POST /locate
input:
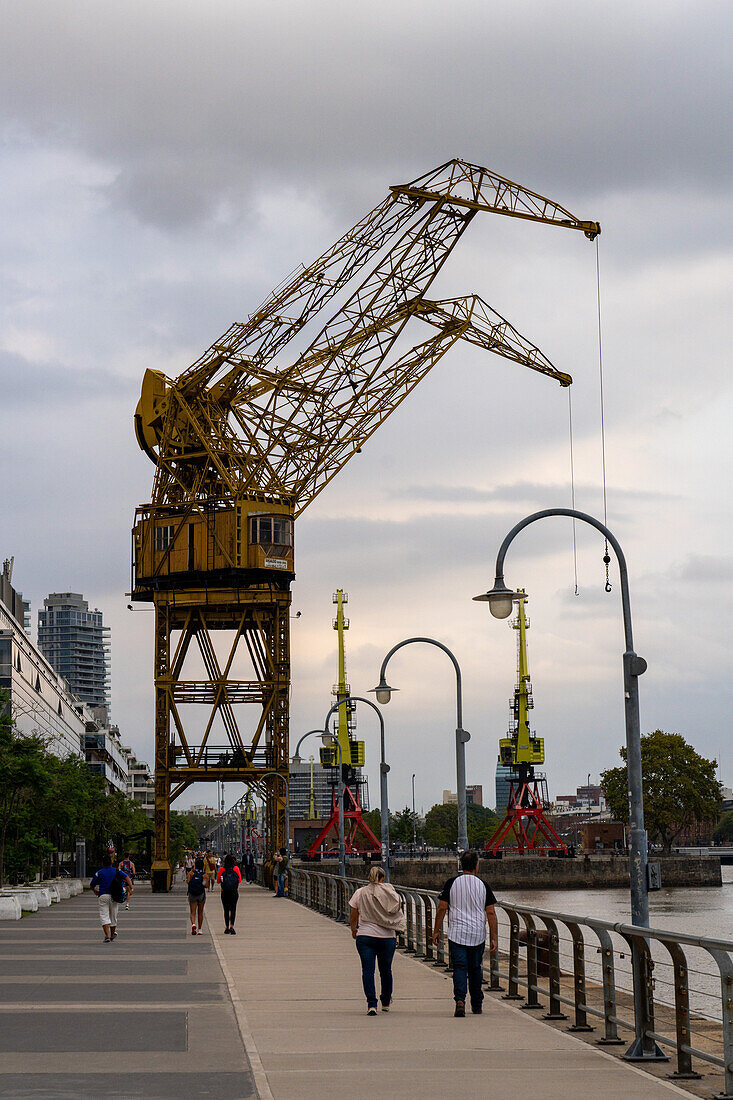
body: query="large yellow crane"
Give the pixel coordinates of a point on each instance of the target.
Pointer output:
(245, 438)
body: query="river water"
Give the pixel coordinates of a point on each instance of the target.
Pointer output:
(700, 911)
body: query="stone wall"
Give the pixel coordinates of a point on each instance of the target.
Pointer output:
(538, 873)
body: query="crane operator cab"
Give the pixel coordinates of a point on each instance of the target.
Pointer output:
(235, 544)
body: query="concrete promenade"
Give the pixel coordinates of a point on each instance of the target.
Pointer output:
(296, 983)
(276, 1012)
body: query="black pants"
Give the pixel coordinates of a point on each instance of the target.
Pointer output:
(229, 899)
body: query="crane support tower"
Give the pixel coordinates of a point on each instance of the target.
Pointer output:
(358, 837)
(245, 438)
(521, 750)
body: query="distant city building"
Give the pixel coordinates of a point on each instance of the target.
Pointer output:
(19, 608)
(104, 753)
(40, 700)
(474, 796)
(300, 791)
(203, 811)
(140, 783)
(501, 786)
(727, 800)
(76, 642)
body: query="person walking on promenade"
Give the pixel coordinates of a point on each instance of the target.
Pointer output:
(128, 868)
(209, 869)
(469, 903)
(196, 896)
(376, 917)
(109, 885)
(282, 866)
(229, 878)
(248, 862)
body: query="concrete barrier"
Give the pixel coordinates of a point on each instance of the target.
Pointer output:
(28, 900)
(9, 907)
(42, 895)
(77, 886)
(53, 891)
(63, 885)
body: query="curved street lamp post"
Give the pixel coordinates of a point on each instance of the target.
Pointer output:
(383, 797)
(500, 600)
(383, 692)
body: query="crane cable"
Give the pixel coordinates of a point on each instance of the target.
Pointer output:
(606, 555)
(572, 492)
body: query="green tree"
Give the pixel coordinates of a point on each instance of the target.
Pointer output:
(182, 835)
(441, 825)
(680, 788)
(723, 833)
(23, 773)
(402, 824)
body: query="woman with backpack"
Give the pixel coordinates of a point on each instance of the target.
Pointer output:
(229, 878)
(196, 895)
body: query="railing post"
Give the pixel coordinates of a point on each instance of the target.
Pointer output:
(512, 993)
(644, 1047)
(533, 1000)
(429, 925)
(553, 951)
(684, 1069)
(581, 1017)
(725, 966)
(611, 1036)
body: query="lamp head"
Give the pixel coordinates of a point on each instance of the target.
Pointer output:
(383, 691)
(500, 599)
(327, 738)
(297, 761)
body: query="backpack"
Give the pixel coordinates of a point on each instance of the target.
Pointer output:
(229, 881)
(196, 886)
(117, 888)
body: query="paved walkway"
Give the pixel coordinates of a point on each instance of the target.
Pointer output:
(276, 1012)
(146, 1016)
(296, 984)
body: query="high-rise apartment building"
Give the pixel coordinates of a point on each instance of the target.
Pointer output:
(504, 773)
(76, 642)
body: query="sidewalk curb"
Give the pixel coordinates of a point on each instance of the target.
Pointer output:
(258, 1071)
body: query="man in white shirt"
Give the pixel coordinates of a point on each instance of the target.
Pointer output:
(469, 903)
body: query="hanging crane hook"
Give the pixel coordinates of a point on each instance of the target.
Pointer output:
(607, 562)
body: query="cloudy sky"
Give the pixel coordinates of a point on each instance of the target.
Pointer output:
(165, 165)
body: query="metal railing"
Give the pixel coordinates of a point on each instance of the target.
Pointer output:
(589, 967)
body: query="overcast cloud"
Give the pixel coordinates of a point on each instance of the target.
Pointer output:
(165, 165)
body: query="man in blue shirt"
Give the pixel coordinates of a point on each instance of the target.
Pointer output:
(101, 884)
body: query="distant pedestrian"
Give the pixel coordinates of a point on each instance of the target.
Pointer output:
(376, 917)
(469, 903)
(209, 869)
(248, 862)
(109, 885)
(196, 896)
(128, 868)
(188, 863)
(229, 878)
(282, 866)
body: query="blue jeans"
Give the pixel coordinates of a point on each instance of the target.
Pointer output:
(467, 971)
(374, 949)
(281, 886)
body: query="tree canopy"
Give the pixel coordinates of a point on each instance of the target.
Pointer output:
(441, 825)
(46, 801)
(680, 788)
(723, 833)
